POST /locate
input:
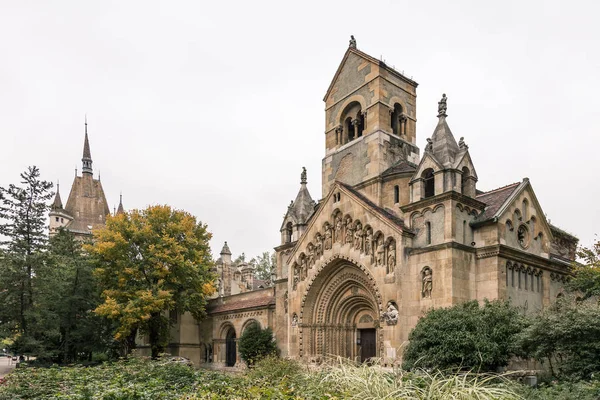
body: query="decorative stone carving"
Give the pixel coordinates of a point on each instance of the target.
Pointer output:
(295, 319)
(311, 255)
(338, 229)
(380, 252)
(462, 145)
(349, 231)
(296, 269)
(427, 283)
(319, 245)
(391, 258)
(391, 315)
(429, 146)
(523, 236)
(303, 267)
(366, 318)
(285, 302)
(369, 242)
(352, 42)
(442, 106)
(358, 237)
(328, 238)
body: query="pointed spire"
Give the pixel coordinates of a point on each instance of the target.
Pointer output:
(303, 206)
(57, 204)
(442, 143)
(225, 249)
(87, 155)
(120, 210)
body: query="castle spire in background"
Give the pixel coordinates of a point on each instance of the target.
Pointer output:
(120, 210)
(87, 155)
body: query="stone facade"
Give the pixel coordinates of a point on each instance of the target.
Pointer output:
(395, 234)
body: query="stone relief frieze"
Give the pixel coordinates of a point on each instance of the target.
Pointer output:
(346, 232)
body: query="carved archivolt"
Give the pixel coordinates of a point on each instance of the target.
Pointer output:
(346, 231)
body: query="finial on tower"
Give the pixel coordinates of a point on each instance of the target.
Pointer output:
(303, 176)
(87, 155)
(442, 106)
(352, 43)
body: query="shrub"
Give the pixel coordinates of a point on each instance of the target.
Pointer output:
(256, 343)
(566, 337)
(465, 336)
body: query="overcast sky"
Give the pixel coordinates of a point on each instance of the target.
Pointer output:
(215, 107)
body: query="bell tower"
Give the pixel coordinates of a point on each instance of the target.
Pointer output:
(370, 120)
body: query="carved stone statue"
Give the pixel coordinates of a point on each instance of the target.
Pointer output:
(369, 242)
(285, 302)
(429, 146)
(391, 259)
(338, 229)
(358, 237)
(462, 145)
(352, 42)
(427, 283)
(442, 106)
(311, 255)
(295, 283)
(380, 252)
(319, 249)
(303, 268)
(328, 239)
(391, 315)
(303, 176)
(349, 232)
(295, 319)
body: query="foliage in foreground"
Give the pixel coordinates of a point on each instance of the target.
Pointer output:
(256, 343)
(271, 378)
(466, 336)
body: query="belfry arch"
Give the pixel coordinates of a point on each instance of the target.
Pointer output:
(341, 306)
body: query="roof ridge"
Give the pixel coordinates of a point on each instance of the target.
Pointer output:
(498, 189)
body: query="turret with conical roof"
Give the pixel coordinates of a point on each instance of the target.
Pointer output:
(120, 210)
(58, 216)
(446, 165)
(298, 212)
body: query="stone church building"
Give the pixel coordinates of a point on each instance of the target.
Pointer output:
(397, 232)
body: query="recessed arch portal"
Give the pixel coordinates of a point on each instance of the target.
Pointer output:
(334, 305)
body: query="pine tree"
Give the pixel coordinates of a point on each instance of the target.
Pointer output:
(23, 213)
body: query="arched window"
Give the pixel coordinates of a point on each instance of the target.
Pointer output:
(428, 183)
(398, 121)
(396, 194)
(525, 210)
(428, 232)
(349, 127)
(360, 120)
(464, 182)
(288, 232)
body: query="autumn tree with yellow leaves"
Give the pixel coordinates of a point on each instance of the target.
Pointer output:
(151, 263)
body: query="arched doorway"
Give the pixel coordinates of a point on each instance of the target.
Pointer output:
(341, 314)
(230, 347)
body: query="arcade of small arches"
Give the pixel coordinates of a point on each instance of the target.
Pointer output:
(225, 346)
(524, 277)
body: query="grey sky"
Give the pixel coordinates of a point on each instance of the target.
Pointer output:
(214, 107)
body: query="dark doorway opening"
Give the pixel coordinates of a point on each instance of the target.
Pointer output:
(368, 344)
(230, 348)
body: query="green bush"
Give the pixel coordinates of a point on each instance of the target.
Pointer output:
(466, 336)
(256, 343)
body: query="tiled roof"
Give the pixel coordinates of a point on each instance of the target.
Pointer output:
(387, 214)
(241, 305)
(259, 283)
(494, 200)
(401, 166)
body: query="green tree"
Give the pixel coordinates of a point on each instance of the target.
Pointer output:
(68, 295)
(586, 276)
(23, 214)
(150, 262)
(264, 265)
(256, 343)
(466, 335)
(566, 336)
